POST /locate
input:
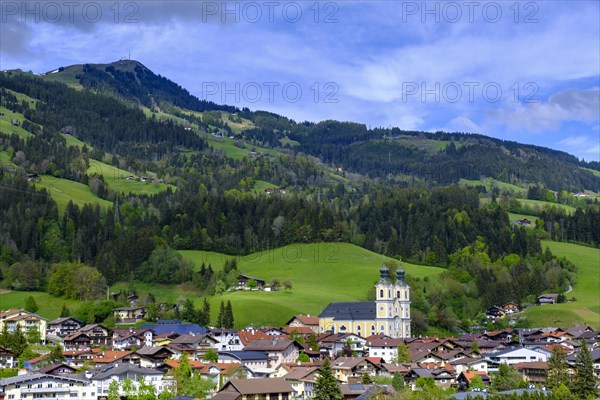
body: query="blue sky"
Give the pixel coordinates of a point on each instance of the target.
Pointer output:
(527, 71)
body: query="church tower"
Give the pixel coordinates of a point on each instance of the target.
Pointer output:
(392, 305)
(402, 305)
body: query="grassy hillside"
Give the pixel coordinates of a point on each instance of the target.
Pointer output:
(63, 190)
(491, 183)
(6, 126)
(320, 274)
(49, 306)
(115, 179)
(537, 206)
(531, 218)
(5, 160)
(586, 310)
(73, 141)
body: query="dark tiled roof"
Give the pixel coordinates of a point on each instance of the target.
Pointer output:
(244, 355)
(180, 329)
(357, 311)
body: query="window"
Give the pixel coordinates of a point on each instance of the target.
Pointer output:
(398, 294)
(11, 396)
(381, 293)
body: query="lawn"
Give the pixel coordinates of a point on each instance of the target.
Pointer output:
(23, 97)
(320, 273)
(73, 141)
(115, 179)
(231, 150)
(6, 126)
(5, 160)
(586, 309)
(49, 306)
(531, 218)
(63, 190)
(537, 206)
(490, 183)
(260, 186)
(593, 171)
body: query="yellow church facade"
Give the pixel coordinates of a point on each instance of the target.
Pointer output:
(389, 314)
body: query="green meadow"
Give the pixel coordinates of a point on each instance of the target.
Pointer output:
(49, 306)
(21, 97)
(260, 186)
(320, 273)
(63, 191)
(491, 183)
(537, 206)
(6, 126)
(73, 141)
(115, 179)
(531, 218)
(586, 309)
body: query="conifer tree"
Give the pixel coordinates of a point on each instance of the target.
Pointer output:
(65, 312)
(228, 320)
(326, 387)
(557, 369)
(221, 316)
(585, 381)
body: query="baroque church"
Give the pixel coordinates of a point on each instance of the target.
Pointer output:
(389, 314)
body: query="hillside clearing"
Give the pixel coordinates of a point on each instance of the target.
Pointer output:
(586, 309)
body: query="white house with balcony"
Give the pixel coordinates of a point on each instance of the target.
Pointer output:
(121, 372)
(36, 386)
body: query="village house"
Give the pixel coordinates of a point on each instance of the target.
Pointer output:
(332, 345)
(228, 339)
(515, 355)
(77, 341)
(129, 315)
(153, 356)
(7, 358)
(252, 360)
(77, 358)
(120, 372)
(535, 372)
(495, 312)
(200, 344)
(62, 327)
(250, 389)
(99, 334)
(25, 320)
(510, 308)
(110, 357)
(352, 369)
(468, 363)
(304, 321)
(386, 348)
(278, 350)
(244, 279)
(58, 369)
(302, 379)
(46, 386)
(174, 327)
(548, 298)
(465, 377)
(127, 339)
